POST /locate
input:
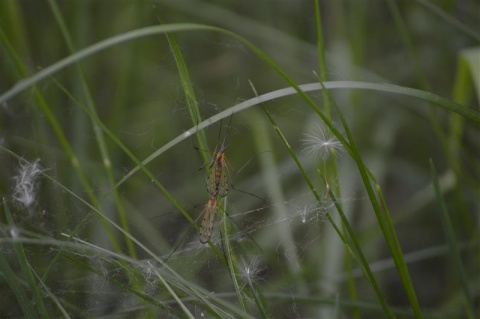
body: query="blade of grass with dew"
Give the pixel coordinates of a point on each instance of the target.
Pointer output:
(25, 267)
(17, 289)
(452, 244)
(99, 137)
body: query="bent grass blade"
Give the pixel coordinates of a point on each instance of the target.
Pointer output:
(209, 213)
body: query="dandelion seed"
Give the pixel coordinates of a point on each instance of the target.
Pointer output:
(322, 142)
(310, 212)
(251, 270)
(25, 189)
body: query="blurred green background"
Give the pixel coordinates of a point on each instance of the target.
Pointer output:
(137, 93)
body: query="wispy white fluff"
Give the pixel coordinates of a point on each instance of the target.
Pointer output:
(26, 183)
(322, 142)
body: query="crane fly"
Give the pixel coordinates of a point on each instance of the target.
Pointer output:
(218, 176)
(209, 213)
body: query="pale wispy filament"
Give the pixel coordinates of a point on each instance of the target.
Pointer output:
(321, 143)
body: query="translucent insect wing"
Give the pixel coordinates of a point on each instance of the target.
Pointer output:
(224, 182)
(212, 187)
(208, 220)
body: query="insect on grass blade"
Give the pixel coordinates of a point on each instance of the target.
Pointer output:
(218, 175)
(218, 178)
(209, 213)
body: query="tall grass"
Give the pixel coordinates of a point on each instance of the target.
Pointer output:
(353, 144)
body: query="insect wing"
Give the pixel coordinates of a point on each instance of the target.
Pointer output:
(224, 180)
(218, 179)
(212, 186)
(208, 219)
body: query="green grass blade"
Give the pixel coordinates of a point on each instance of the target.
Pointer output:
(18, 290)
(140, 165)
(177, 280)
(357, 253)
(363, 263)
(149, 31)
(51, 295)
(452, 244)
(432, 7)
(174, 295)
(189, 92)
(398, 258)
(26, 268)
(383, 218)
(231, 257)
(55, 124)
(99, 138)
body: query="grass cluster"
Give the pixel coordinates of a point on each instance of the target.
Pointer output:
(351, 130)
